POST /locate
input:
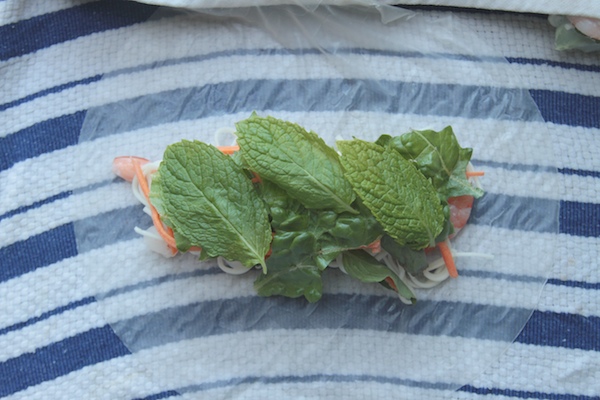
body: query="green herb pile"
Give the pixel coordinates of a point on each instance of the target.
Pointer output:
(311, 204)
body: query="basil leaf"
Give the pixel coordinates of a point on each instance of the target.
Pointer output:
(291, 268)
(360, 265)
(296, 160)
(440, 158)
(414, 261)
(209, 202)
(457, 184)
(402, 200)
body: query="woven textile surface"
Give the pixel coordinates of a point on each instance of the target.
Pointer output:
(65, 304)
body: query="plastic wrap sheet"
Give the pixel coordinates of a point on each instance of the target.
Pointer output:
(340, 72)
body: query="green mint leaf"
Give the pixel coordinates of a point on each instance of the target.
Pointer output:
(362, 266)
(402, 200)
(209, 202)
(296, 160)
(440, 158)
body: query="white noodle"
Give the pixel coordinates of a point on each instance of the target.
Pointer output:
(231, 267)
(225, 131)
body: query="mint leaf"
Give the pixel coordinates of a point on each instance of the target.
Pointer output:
(209, 202)
(440, 158)
(296, 160)
(360, 265)
(402, 200)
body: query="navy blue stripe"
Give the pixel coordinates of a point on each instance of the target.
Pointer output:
(580, 219)
(579, 172)
(551, 63)
(47, 200)
(37, 251)
(158, 396)
(59, 358)
(523, 394)
(570, 331)
(574, 284)
(46, 315)
(568, 108)
(48, 91)
(469, 10)
(43, 137)
(39, 32)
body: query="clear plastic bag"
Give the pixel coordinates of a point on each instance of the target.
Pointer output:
(341, 72)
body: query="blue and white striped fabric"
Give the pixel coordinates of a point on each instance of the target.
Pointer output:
(87, 312)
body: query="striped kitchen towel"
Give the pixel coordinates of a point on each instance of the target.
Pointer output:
(86, 312)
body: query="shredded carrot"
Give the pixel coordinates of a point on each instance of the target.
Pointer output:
(471, 174)
(166, 235)
(229, 149)
(390, 282)
(448, 259)
(256, 178)
(374, 247)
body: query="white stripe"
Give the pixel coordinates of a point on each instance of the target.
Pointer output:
(128, 263)
(89, 274)
(12, 11)
(51, 330)
(63, 211)
(133, 264)
(505, 36)
(570, 300)
(544, 369)
(171, 35)
(88, 163)
(86, 56)
(197, 74)
(509, 35)
(281, 353)
(292, 353)
(547, 185)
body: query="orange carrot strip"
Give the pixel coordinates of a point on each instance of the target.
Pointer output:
(390, 282)
(256, 178)
(228, 149)
(170, 240)
(374, 247)
(471, 174)
(448, 259)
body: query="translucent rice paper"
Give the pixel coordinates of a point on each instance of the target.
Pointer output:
(341, 72)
